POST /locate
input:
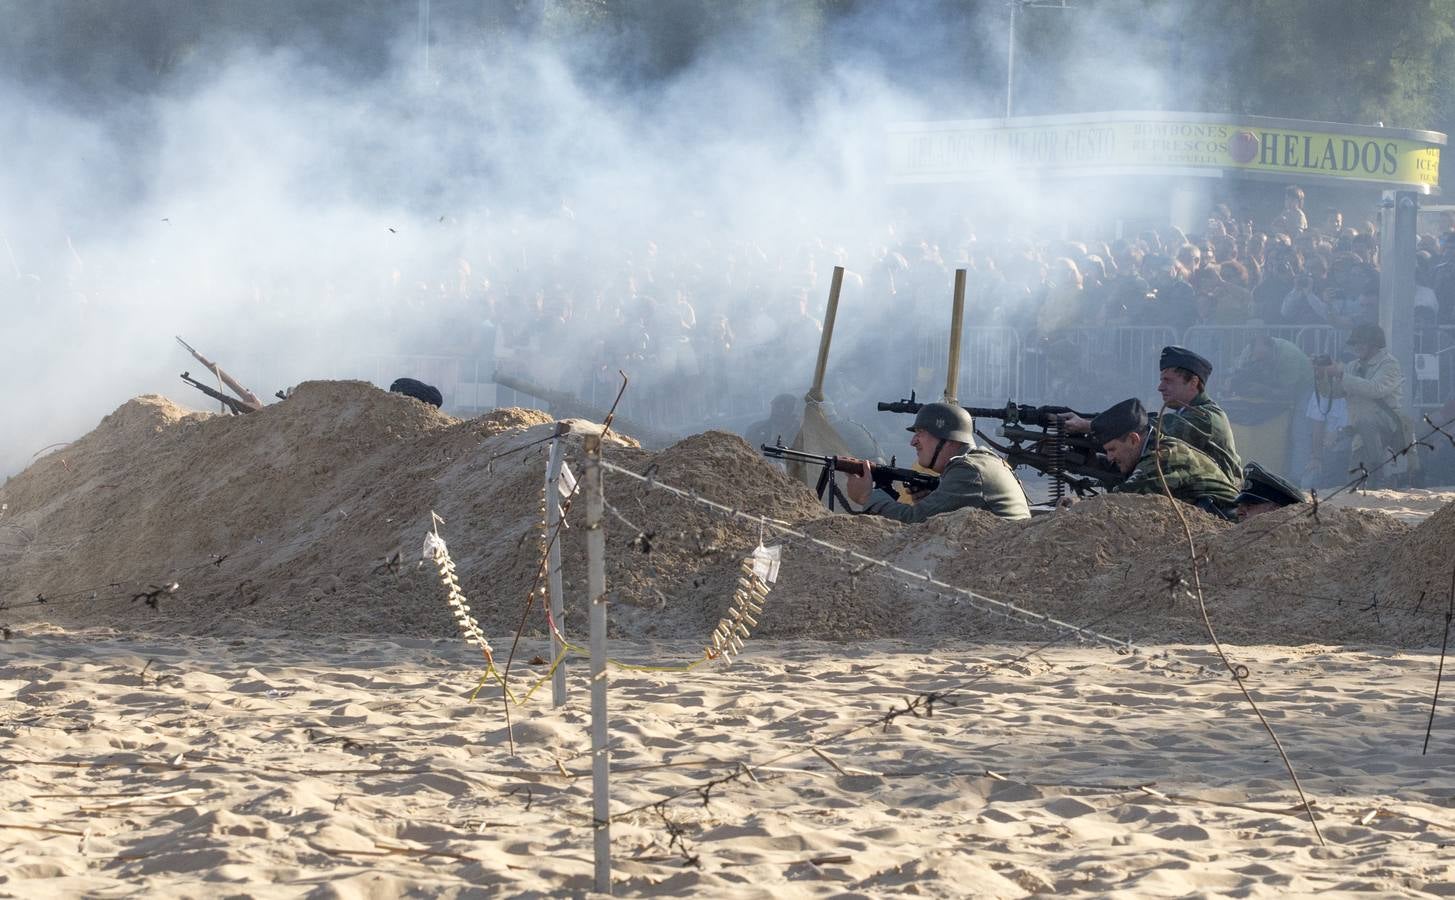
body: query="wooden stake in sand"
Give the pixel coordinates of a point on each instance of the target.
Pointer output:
(596, 595)
(553, 568)
(816, 433)
(957, 323)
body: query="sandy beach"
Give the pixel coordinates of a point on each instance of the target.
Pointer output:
(252, 685)
(360, 768)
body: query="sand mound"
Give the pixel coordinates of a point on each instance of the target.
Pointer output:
(1419, 569)
(308, 516)
(509, 419)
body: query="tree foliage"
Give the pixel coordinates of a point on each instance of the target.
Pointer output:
(1339, 60)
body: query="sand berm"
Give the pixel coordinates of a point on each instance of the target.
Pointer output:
(308, 516)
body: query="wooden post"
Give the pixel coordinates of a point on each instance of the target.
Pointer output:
(596, 594)
(819, 369)
(957, 321)
(553, 565)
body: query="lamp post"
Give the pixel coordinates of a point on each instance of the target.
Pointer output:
(1015, 7)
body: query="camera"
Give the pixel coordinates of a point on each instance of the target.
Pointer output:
(1323, 361)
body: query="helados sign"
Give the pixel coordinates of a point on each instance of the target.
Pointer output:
(1164, 143)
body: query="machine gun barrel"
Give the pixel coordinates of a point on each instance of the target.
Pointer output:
(910, 406)
(1025, 414)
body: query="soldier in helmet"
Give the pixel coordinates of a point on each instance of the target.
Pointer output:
(1126, 435)
(944, 442)
(1263, 492)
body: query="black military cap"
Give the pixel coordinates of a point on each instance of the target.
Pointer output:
(425, 393)
(1183, 358)
(1124, 418)
(1262, 486)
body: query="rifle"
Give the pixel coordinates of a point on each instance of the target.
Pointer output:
(237, 406)
(885, 477)
(249, 399)
(1033, 436)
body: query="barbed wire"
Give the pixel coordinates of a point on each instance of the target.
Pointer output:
(1361, 473)
(920, 704)
(1238, 672)
(979, 601)
(927, 700)
(917, 580)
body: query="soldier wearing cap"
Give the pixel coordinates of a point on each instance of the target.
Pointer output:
(1263, 492)
(944, 443)
(1372, 385)
(1194, 418)
(1125, 433)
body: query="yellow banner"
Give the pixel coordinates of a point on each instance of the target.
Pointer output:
(961, 151)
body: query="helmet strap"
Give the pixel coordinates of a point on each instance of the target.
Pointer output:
(935, 460)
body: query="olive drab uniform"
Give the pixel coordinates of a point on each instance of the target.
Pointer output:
(1204, 427)
(1191, 476)
(975, 478)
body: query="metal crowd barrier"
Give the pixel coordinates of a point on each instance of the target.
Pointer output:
(1222, 345)
(990, 366)
(1085, 368)
(1089, 368)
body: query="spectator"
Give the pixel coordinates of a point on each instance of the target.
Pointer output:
(1272, 369)
(1291, 221)
(1062, 307)
(1427, 307)
(1443, 280)
(1172, 302)
(1189, 257)
(1301, 306)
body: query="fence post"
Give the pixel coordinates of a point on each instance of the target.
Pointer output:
(596, 595)
(553, 566)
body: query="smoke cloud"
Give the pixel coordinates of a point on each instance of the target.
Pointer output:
(303, 210)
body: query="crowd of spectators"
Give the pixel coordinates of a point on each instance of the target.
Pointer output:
(1231, 273)
(702, 318)
(711, 329)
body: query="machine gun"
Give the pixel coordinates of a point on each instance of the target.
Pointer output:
(1034, 436)
(885, 477)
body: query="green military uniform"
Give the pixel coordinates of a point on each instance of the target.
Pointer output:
(1204, 427)
(976, 478)
(1190, 476)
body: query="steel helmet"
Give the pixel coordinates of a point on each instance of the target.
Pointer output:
(945, 421)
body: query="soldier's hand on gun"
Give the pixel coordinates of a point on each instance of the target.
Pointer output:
(1074, 424)
(861, 485)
